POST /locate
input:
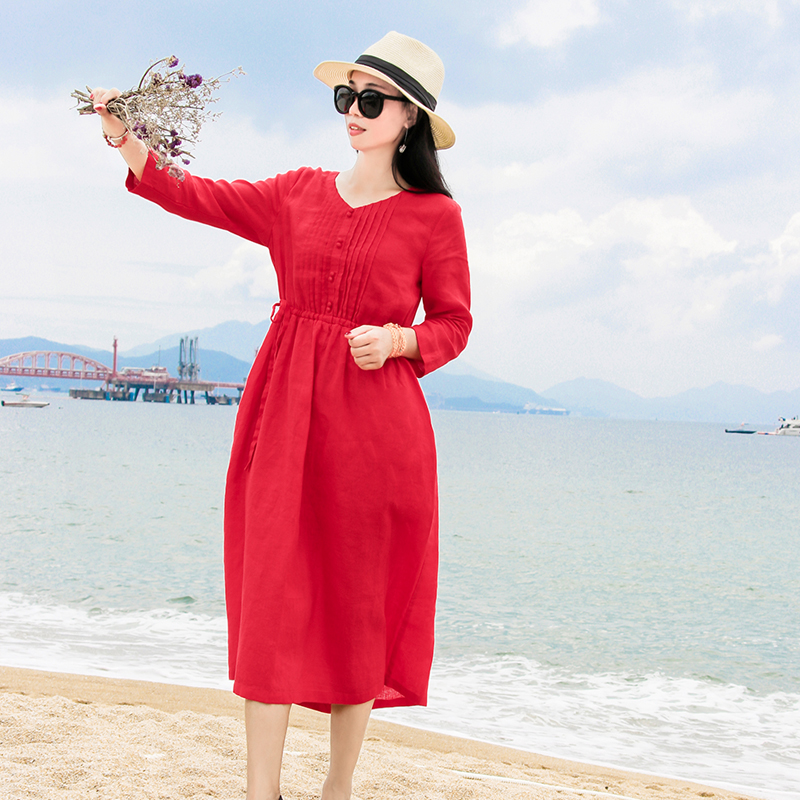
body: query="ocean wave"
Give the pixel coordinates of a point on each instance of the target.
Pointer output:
(693, 728)
(170, 645)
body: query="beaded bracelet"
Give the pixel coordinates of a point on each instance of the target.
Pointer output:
(122, 138)
(398, 339)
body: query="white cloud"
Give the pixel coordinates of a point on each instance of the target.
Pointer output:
(768, 342)
(779, 269)
(648, 291)
(234, 145)
(548, 23)
(33, 152)
(247, 272)
(586, 149)
(528, 249)
(648, 244)
(785, 249)
(698, 10)
(672, 235)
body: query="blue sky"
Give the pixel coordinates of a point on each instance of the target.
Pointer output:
(628, 173)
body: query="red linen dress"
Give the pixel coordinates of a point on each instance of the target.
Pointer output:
(331, 510)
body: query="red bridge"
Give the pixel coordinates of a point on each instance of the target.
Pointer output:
(51, 364)
(126, 384)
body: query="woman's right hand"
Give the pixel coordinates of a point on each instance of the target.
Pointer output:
(131, 149)
(112, 126)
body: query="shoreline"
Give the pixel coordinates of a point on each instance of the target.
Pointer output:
(75, 713)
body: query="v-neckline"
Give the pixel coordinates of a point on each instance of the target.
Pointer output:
(365, 205)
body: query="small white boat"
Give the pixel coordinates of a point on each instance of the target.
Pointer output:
(12, 387)
(24, 402)
(786, 427)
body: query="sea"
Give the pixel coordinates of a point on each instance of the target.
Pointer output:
(616, 592)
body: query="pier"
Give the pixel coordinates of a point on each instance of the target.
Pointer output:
(154, 385)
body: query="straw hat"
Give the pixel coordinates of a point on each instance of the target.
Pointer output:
(410, 66)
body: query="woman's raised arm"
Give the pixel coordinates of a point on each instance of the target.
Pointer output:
(131, 149)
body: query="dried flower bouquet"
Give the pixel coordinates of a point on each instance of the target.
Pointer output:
(166, 110)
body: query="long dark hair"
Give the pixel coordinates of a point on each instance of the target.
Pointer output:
(419, 166)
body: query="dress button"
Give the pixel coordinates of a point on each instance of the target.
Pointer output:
(331, 276)
(330, 305)
(349, 213)
(339, 243)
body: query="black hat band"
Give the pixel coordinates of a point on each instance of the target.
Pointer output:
(408, 84)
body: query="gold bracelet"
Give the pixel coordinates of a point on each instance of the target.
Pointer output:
(398, 339)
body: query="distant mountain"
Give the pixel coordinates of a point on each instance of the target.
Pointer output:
(239, 339)
(457, 386)
(460, 386)
(446, 388)
(721, 402)
(596, 398)
(460, 367)
(9, 347)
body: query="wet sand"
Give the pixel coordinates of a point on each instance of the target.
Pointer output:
(76, 736)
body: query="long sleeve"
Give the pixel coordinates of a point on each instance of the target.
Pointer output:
(445, 294)
(245, 209)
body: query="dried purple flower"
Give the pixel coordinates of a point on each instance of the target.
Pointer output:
(172, 62)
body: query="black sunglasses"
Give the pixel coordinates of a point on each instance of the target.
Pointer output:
(370, 102)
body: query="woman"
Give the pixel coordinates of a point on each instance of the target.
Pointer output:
(331, 511)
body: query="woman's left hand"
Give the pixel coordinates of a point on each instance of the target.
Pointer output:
(370, 346)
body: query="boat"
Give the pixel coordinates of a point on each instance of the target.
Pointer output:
(741, 429)
(221, 400)
(24, 402)
(12, 387)
(786, 427)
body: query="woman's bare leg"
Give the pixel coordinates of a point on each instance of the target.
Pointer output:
(266, 733)
(348, 726)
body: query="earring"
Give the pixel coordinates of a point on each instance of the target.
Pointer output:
(402, 147)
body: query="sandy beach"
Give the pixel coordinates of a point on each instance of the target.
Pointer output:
(75, 736)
